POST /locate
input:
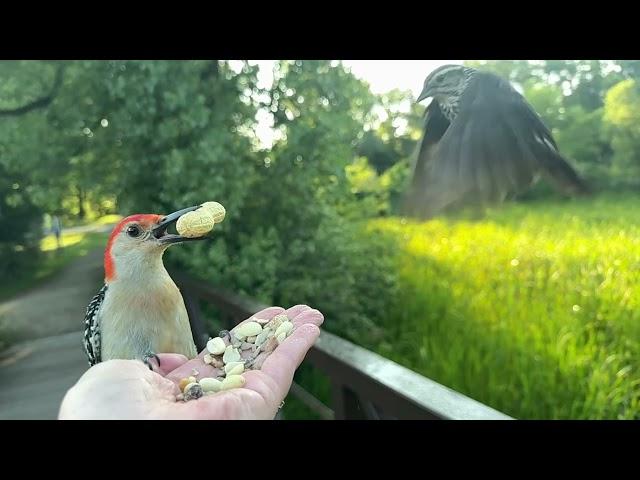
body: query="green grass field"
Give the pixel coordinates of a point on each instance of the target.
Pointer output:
(534, 310)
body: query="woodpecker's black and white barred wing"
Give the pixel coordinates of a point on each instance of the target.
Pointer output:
(92, 328)
(495, 146)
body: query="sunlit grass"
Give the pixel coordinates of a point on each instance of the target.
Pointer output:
(74, 245)
(49, 242)
(90, 220)
(107, 219)
(533, 310)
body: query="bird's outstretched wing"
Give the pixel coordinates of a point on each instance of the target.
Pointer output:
(435, 126)
(495, 146)
(92, 328)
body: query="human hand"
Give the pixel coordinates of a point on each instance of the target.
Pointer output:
(127, 389)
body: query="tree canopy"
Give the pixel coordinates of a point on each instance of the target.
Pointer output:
(83, 138)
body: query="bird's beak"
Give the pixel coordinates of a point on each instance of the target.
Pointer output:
(424, 94)
(160, 230)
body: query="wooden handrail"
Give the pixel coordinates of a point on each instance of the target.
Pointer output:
(365, 385)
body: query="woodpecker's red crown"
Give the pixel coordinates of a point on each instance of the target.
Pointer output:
(141, 237)
(134, 225)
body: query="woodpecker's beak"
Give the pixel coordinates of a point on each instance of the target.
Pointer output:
(160, 230)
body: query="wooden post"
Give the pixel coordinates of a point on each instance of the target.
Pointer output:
(345, 403)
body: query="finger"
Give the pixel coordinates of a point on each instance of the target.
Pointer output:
(169, 362)
(268, 389)
(293, 312)
(266, 314)
(284, 360)
(308, 316)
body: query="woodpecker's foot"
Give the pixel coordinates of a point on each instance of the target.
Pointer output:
(147, 360)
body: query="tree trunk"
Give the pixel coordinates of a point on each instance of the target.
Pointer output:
(81, 197)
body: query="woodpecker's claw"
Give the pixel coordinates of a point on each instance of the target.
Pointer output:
(147, 360)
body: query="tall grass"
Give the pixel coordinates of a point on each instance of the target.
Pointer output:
(534, 310)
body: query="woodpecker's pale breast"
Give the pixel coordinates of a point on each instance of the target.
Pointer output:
(151, 320)
(140, 311)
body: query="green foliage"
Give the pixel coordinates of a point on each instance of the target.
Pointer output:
(176, 133)
(391, 135)
(583, 139)
(20, 225)
(303, 221)
(547, 100)
(298, 236)
(622, 112)
(153, 136)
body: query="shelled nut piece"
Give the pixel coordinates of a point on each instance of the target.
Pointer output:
(252, 338)
(216, 210)
(195, 224)
(233, 381)
(198, 223)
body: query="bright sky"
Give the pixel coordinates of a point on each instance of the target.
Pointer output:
(386, 75)
(382, 76)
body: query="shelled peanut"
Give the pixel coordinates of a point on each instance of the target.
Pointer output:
(201, 221)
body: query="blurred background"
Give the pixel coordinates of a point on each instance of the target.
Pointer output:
(532, 309)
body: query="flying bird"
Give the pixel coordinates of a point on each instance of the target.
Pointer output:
(482, 142)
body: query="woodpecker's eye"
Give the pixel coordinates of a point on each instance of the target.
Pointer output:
(439, 79)
(133, 231)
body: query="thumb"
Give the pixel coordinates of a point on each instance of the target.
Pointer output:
(169, 362)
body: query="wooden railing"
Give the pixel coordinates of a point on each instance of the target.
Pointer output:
(364, 384)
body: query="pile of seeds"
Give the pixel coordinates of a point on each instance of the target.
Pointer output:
(231, 353)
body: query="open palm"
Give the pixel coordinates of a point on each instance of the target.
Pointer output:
(127, 389)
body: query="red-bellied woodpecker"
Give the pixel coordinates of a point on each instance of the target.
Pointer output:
(139, 311)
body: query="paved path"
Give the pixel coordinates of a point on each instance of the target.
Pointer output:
(57, 306)
(35, 374)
